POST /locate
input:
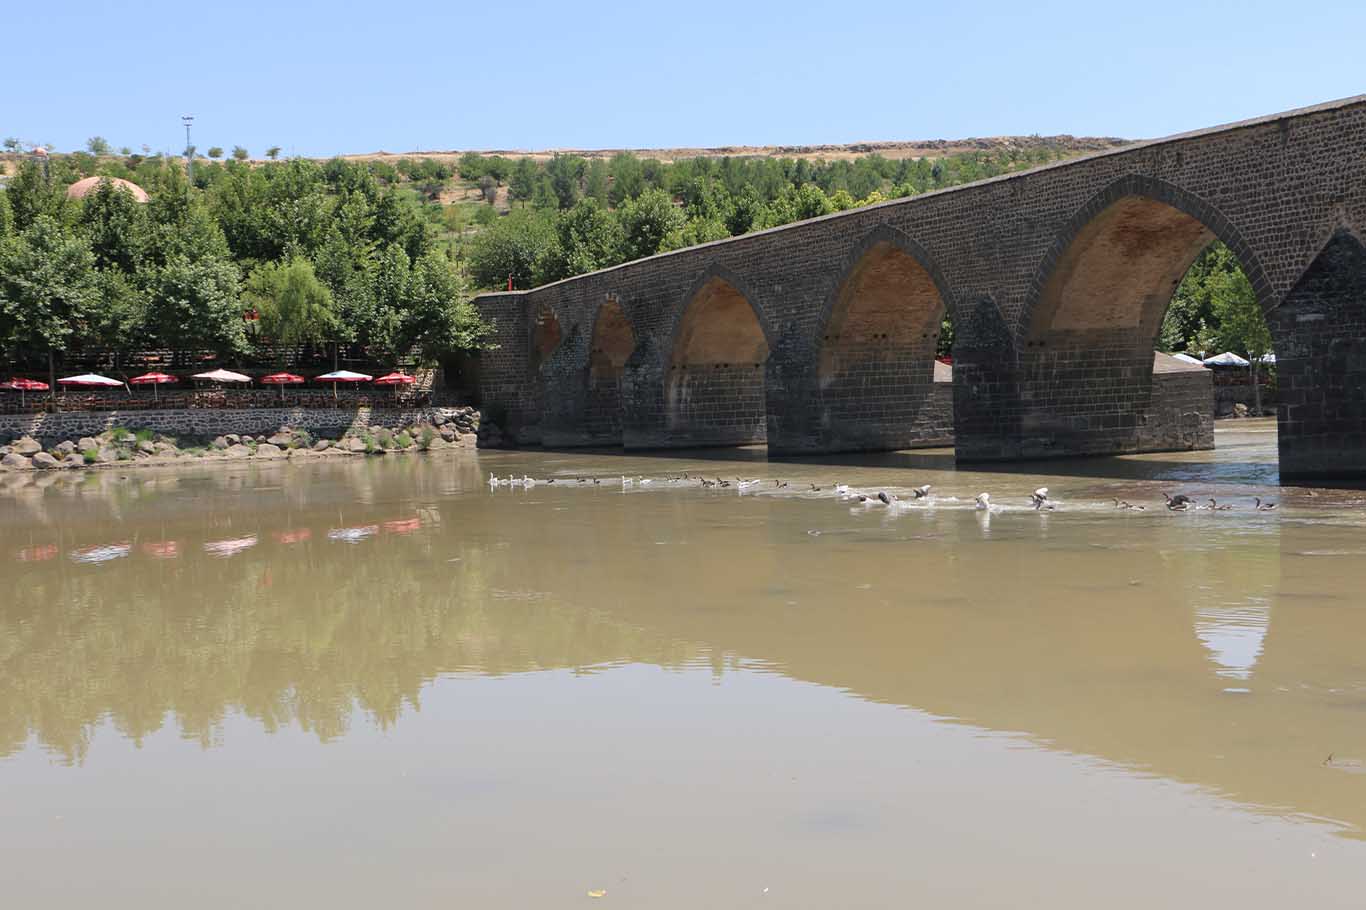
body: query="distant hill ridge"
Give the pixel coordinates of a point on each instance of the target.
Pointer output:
(922, 148)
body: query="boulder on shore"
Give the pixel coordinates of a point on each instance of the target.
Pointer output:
(65, 447)
(237, 450)
(44, 461)
(74, 460)
(86, 444)
(26, 445)
(281, 439)
(354, 444)
(268, 450)
(219, 442)
(16, 462)
(107, 455)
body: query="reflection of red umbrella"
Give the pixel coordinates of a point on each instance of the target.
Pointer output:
(162, 549)
(40, 553)
(296, 535)
(22, 386)
(153, 380)
(282, 380)
(402, 525)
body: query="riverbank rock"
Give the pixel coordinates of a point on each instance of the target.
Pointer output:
(64, 448)
(74, 460)
(86, 444)
(45, 462)
(269, 450)
(16, 462)
(237, 450)
(147, 447)
(26, 446)
(353, 444)
(281, 439)
(106, 455)
(219, 442)
(322, 445)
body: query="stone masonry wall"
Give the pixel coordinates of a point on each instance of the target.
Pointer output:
(208, 423)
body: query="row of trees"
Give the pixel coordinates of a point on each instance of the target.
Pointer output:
(320, 253)
(583, 214)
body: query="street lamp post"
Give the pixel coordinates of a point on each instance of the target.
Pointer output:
(188, 120)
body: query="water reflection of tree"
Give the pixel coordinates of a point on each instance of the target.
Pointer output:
(308, 640)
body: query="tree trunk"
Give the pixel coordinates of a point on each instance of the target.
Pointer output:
(51, 377)
(1256, 391)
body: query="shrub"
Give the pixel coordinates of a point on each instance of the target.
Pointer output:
(301, 439)
(403, 440)
(144, 435)
(425, 440)
(89, 455)
(120, 434)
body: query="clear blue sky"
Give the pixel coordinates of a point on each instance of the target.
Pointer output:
(321, 78)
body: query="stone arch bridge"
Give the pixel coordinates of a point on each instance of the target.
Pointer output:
(820, 336)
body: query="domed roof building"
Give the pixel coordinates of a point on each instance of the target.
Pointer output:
(84, 187)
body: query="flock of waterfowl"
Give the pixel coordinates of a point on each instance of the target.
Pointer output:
(1039, 499)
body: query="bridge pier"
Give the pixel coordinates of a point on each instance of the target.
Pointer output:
(1320, 334)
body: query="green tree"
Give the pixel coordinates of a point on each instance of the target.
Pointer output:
(48, 288)
(215, 151)
(628, 178)
(194, 305)
(1242, 326)
(522, 182)
(97, 145)
(116, 226)
(514, 245)
(646, 221)
(294, 306)
(273, 152)
(437, 316)
(240, 153)
(31, 195)
(6, 217)
(587, 238)
(471, 166)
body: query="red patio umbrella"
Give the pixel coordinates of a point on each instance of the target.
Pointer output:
(153, 380)
(22, 386)
(395, 380)
(282, 380)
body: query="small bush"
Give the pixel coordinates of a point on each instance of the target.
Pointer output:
(370, 445)
(89, 455)
(120, 434)
(144, 435)
(301, 439)
(425, 440)
(403, 440)
(384, 438)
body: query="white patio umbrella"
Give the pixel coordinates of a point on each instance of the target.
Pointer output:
(1226, 359)
(1186, 358)
(221, 375)
(337, 376)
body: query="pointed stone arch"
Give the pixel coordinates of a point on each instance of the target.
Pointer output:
(612, 342)
(875, 385)
(714, 384)
(1092, 319)
(1165, 225)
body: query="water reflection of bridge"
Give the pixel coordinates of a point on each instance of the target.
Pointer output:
(1122, 641)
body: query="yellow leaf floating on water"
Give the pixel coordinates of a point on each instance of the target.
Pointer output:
(597, 893)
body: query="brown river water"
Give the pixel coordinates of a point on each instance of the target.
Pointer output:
(379, 682)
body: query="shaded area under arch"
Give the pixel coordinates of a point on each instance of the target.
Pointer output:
(714, 388)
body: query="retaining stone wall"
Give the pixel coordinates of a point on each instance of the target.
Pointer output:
(208, 423)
